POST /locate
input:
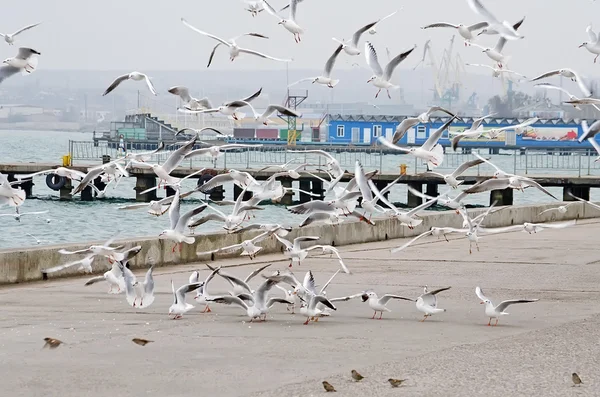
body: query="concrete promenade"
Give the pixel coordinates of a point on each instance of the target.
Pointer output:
(532, 352)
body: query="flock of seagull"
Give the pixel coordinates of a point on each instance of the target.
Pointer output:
(256, 301)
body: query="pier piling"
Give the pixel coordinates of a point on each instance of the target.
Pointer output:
(65, 191)
(142, 183)
(305, 185)
(289, 196)
(501, 197)
(412, 200)
(579, 191)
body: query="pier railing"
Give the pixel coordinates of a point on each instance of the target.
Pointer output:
(519, 161)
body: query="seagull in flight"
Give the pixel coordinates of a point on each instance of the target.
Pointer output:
(325, 78)
(135, 76)
(25, 62)
(465, 31)
(10, 38)
(497, 311)
(504, 28)
(570, 74)
(234, 49)
(290, 23)
(381, 78)
(351, 46)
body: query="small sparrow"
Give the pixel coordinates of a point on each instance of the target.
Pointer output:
(328, 386)
(576, 379)
(141, 342)
(396, 382)
(356, 376)
(52, 343)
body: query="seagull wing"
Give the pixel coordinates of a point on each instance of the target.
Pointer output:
(436, 135)
(478, 8)
(372, 61)
(185, 218)
(212, 36)
(398, 249)
(389, 69)
(359, 32)
(503, 305)
(592, 35)
(331, 61)
(480, 294)
(150, 85)
(256, 272)
(490, 184)
(270, 9)
(182, 92)
(281, 109)
(386, 298)
(25, 28)
(390, 145)
(440, 25)
(115, 83)
(533, 183)
(465, 166)
(552, 87)
(178, 155)
(403, 128)
(547, 74)
(228, 299)
(260, 54)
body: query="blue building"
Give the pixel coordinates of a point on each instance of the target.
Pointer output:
(365, 130)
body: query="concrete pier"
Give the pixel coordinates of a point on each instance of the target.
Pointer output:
(532, 352)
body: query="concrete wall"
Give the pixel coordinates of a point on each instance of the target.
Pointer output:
(26, 265)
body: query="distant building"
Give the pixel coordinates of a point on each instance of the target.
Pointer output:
(8, 111)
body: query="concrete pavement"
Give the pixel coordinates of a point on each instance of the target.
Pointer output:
(532, 352)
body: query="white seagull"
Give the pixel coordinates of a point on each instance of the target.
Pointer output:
(293, 250)
(593, 45)
(234, 49)
(379, 304)
(180, 306)
(9, 195)
(189, 101)
(466, 31)
(571, 96)
(427, 302)
(85, 265)
(114, 277)
(333, 165)
(139, 295)
(10, 38)
(60, 171)
(497, 311)
(231, 108)
(263, 118)
(451, 179)
(290, 23)
(351, 46)
(568, 73)
(18, 215)
(430, 151)
(248, 247)
(179, 222)
(25, 62)
(135, 76)
(496, 72)
(410, 122)
(504, 28)
(472, 132)
(325, 78)
(381, 78)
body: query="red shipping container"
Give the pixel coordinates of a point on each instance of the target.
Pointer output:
(267, 133)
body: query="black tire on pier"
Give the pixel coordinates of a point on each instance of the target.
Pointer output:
(55, 182)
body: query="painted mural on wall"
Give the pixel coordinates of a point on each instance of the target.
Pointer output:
(550, 134)
(487, 134)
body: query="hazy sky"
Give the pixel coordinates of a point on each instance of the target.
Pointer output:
(148, 35)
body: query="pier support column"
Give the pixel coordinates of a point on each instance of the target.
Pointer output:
(289, 196)
(217, 194)
(65, 191)
(380, 186)
(317, 188)
(432, 189)
(236, 191)
(579, 191)
(305, 185)
(26, 186)
(99, 184)
(142, 183)
(501, 197)
(169, 191)
(412, 200)
(494, 150)
(87, 194)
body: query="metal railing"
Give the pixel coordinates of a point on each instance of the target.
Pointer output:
(522, 162)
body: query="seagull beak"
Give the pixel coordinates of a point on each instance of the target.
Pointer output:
(582, 45)
(481, 303)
